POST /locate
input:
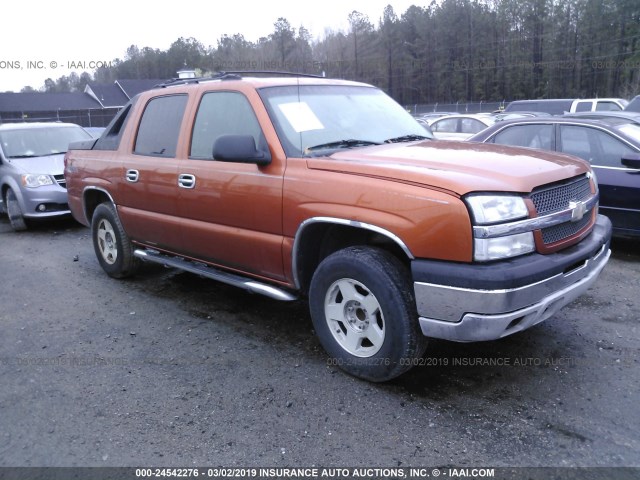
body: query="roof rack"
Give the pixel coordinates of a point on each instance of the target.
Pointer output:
(232, 75)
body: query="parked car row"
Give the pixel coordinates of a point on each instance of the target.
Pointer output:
(559, 106)
(32, 184)
(467, 124)
(462, 126)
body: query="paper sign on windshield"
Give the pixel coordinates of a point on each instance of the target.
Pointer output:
(301, 117)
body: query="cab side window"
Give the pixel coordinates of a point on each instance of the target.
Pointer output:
(160, 126)
(223, 113)
(111, 139)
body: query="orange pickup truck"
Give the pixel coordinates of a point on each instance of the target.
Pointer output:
(297, 187)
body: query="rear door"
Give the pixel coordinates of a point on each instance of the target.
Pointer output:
(148, 189)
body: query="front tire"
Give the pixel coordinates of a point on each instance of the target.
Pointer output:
(14, 212)
(111, 243)
(364, 313)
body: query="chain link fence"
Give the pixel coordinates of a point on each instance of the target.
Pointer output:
(458, 107)
(85, 118)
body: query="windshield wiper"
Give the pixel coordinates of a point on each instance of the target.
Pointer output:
(22, 156)
(407, 138)
(342, 144)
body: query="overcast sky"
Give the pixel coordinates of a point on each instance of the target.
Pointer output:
(39, 39)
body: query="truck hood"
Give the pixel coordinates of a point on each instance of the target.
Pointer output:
(459, 167)
(49, 165)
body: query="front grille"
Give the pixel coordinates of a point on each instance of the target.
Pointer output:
(61, 180)
(556, 198)
(564, 230)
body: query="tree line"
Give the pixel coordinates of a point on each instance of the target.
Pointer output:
(451, 50)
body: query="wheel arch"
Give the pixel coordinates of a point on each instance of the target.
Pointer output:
(10, 183)
(319, 237)
(91, 198)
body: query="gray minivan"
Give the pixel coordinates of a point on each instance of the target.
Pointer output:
(32, 183)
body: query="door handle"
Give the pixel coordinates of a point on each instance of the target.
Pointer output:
(186, 180)
(132, 175)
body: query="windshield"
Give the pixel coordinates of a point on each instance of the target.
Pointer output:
(40, 141)
(313, 119)
(632, 130)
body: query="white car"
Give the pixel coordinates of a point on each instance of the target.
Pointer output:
(460, 127)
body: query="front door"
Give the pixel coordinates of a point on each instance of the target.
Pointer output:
(232, 211)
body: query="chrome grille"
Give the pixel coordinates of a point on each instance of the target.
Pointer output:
(556, 198)
(564, 230)
(61, 180)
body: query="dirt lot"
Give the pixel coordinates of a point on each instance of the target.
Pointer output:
(169, 369)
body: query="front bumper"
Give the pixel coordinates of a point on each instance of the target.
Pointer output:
(52, 198)
(473, 302)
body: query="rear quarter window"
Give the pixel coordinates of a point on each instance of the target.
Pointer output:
(110, 139)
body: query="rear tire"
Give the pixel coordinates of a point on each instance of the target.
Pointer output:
(111, 243)
(14, 212)
(363, 310)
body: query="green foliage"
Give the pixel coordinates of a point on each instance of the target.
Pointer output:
(452, 50)
(64, 84)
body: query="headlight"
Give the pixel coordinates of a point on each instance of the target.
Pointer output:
(494, 209)
(32, 180)
(489, 209)
(486, 249)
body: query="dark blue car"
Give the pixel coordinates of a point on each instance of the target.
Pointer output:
(611, 145)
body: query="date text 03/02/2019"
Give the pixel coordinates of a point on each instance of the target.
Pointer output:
(314, 472)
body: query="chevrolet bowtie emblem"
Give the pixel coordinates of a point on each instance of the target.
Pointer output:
(578, 209)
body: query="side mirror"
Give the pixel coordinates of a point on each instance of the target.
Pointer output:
(631, 160)
(239, 148)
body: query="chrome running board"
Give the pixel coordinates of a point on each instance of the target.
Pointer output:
(209, 272)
